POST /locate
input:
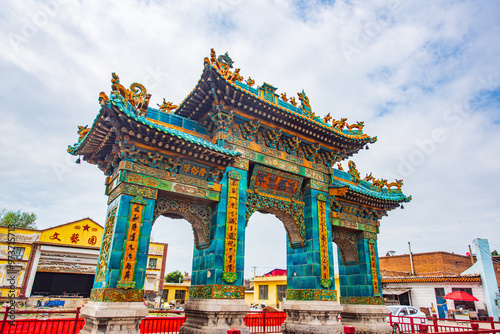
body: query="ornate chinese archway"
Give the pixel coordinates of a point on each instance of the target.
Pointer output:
(228, 150)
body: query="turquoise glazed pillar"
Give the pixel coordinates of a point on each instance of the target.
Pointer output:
(310, 269)
(222, 263)
(216, 296)
(121, 267)
(116, 301)
(311, 300)
(360, 281)
(361, 291)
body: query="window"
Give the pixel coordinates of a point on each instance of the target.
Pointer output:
(412, 310)
(462, 304)
(17, 253)
(165, 295)
(439, 292)
(152, 263)
(281, 292)
(263, 289)
(181, 295)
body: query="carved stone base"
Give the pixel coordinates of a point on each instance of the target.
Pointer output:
(113, 317)
(214, 316)
(318, 317)
(366, 319)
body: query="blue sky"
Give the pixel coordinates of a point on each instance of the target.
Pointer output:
(424, 76)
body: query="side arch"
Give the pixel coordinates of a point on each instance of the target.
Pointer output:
(347, 243)
(198, 215)
(290, 213)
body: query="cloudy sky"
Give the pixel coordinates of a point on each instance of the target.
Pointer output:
(424, 76)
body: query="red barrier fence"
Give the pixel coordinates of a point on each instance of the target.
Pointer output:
(162, 324)
(406, 324)
(158, 322)
(265, 322)
(13, 323)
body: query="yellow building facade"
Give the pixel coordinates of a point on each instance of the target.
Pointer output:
(176, 291)
(16, 245)
(61, 261)
(271, 290)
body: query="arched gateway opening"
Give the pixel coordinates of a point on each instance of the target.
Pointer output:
(198, 215)
(265, 260)
(228, 150)
(177, 233)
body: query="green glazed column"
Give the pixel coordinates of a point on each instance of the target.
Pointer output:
(121, 268)
(218, 270)
(360, 283)
(310, 269)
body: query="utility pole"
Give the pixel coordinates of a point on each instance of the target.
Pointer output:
(471, 257)
(411, 260)
(254, 269)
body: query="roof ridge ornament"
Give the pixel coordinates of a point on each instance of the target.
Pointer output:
(304, 100)
(137, 95)
(82, 132)
(353, 171)
(380, 183)
(167, 107)
(250, 82)
(223, 64)
(284, 98)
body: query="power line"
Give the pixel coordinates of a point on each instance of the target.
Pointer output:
(487, 254)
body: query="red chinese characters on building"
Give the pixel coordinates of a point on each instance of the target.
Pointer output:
(74, 238)
(92, 240)
(55, 236)
(276, 182)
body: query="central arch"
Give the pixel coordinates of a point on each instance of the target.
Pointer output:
(290, 213)
(198, 215)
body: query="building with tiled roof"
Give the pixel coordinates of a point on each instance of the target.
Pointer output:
(422, 279)
(60, 262)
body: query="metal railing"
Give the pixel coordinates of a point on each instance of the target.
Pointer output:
(161, 323)
(14, 323)
(264, 322)
(406, 324)
(157, 322)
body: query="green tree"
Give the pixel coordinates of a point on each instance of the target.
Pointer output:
(17, 219)
(174, 277)
(494, 253)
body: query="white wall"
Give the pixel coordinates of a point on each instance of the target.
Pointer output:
(423, 294)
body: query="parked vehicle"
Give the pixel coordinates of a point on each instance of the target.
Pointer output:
(403, 318)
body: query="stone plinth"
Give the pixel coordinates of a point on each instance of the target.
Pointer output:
(367, 319)
(318, 317)
(113, 317)
(215, 316)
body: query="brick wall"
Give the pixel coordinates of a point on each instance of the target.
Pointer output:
(428, 264)
(433, 263)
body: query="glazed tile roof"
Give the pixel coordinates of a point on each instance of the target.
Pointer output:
(297, 111)
(196, 104)
(365, 188)
(443, 278)
(132, 113)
